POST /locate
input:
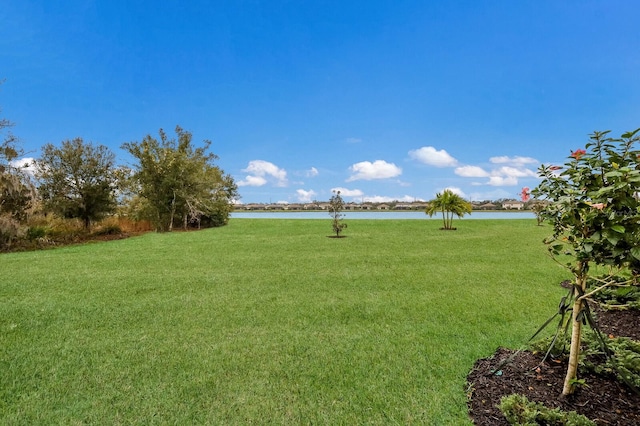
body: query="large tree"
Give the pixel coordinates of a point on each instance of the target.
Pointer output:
(449, 204)
(16, 189)
(77, 180)
(180, 184)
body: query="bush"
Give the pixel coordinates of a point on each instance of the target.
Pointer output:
(9, 230)
(623, 363)
(108, 229)
(623, 297)
(65, 230)
(518, 410)
(36, 233)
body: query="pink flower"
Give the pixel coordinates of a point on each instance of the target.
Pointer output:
(525, 195)
(578, 153)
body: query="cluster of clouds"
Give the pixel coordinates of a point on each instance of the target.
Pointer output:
(506, 172)
(260, 172)
(500, 171)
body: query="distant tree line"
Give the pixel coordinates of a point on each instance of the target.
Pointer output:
(171, 184)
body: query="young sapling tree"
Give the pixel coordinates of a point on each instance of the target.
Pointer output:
(336, 205)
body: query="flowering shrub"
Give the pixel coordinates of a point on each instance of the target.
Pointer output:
(594, 211)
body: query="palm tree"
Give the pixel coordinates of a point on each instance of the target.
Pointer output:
(449, 204)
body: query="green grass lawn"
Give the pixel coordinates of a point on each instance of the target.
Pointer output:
(268, 321)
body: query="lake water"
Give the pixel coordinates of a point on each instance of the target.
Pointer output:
(416, 215)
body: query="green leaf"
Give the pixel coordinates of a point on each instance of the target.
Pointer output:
(613, 239)
(635, 252)
(618, 228)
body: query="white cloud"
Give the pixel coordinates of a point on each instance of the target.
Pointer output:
(508, 174)
(260, 172)
(27, 164)
(432, 157)
(306, 196)
(379, 169)
(513, 172)
(252, 181)
(348, 192)
(503, 181)
(353, 140)
(456, 191)
(517, 160)
(312, 172)
(471, 171)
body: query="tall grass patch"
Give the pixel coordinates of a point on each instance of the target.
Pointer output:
(268, 321)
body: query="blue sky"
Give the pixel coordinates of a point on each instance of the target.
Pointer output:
(386, 100)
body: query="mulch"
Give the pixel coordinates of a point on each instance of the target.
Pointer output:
(603, 399)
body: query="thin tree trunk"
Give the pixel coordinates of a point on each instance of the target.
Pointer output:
(173, 212)
(576, 332)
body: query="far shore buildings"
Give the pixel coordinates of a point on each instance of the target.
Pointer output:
(513, 205)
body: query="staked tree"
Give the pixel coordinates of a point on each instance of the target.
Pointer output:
(77, 180)
(336, 205)
(594, 211)
(449, 204)
(180, 184)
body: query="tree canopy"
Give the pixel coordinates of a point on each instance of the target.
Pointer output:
(179, 183)
(77, 180)
(16, 189)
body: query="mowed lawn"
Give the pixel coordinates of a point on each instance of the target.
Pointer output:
(268, 322)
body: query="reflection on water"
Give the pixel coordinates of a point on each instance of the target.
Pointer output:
(378, 215)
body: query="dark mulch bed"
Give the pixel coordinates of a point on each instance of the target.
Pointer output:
(603, 399)
(620, 322)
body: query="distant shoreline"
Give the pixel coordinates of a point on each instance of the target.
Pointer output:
(377, 214)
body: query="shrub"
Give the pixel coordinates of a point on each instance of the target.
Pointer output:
(623, 360)
(36, 233)
(64, 230)
(518, 410)
(108, 229)
(624, 364)
(625, 296)
(9, 230)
